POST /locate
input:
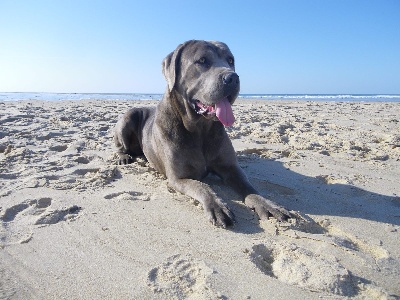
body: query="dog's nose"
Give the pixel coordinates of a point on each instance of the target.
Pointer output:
(230, 79)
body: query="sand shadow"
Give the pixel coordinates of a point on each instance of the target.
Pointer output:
(316, 196)
(297, 192)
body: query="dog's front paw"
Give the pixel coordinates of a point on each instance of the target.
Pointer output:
(124, 159)
(219, 214)
(266, 208)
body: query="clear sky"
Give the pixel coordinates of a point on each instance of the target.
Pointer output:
(282, 46)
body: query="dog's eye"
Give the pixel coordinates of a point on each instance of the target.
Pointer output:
(202, 61)
(231, 61)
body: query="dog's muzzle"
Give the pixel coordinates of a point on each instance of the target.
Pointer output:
(222, 108)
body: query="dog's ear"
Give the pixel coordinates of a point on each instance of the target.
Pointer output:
(170, 66)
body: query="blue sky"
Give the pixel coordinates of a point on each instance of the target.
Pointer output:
(299, 46)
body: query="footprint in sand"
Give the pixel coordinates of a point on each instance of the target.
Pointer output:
(84, 178)
(321, 272)
(32, 207)
(53, 217)
(372, 254)
(58, 147)
(17, 222)
(298, 266)
(128, 196)
(182, 277)
(325, 231)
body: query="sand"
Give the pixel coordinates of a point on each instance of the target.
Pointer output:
(73, 225)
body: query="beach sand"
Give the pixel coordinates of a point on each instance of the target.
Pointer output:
(73, 225)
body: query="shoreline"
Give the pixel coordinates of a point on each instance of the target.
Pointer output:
(75, 225)
(155, 96)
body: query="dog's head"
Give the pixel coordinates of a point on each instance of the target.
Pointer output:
(203, 73)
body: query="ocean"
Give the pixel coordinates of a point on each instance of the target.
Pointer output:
(138, 96)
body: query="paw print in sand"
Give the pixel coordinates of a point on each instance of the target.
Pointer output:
(18, 221)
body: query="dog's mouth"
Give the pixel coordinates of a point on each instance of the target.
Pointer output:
(222, 110)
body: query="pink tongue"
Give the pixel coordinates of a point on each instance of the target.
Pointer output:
(223, 110)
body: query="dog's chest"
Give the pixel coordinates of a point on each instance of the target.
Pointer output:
(196, 156)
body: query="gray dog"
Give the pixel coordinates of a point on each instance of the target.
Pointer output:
(184, 136)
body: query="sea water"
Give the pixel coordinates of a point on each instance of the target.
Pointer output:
(326, 97)
(139, 96)
(77, 96)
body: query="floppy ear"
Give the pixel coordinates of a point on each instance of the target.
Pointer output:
(170, 66)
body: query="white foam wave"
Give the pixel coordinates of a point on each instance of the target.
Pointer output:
(324, 97)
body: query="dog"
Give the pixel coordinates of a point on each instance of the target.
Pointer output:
(184, 136)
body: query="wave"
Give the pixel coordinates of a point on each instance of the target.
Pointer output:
(324, 97)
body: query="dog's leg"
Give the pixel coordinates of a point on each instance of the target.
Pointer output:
(216, 211)
(124, 157)
(126, 138)
(237, 180)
